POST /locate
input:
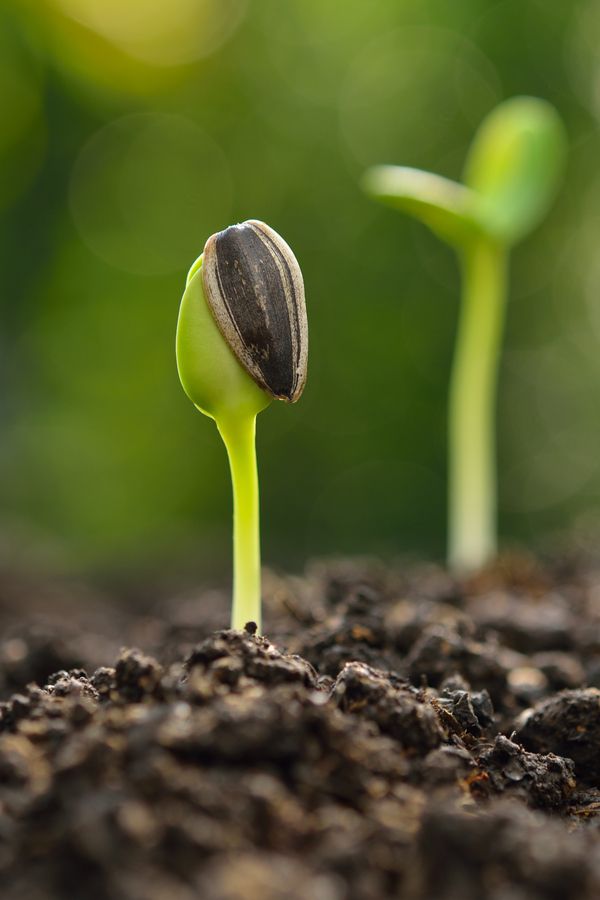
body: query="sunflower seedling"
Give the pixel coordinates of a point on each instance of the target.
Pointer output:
(242, 340)
(512, 173)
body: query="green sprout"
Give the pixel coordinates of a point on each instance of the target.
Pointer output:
(511, 176)
(242, 340)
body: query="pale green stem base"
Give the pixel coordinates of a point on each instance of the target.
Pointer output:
(239, 436)
(472, 540)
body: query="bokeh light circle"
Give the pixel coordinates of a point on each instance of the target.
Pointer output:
(157, 32)
(409, 89)
(147, 190)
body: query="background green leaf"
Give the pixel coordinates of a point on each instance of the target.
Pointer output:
(515, 164)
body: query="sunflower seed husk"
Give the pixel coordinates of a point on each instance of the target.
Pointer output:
(254, 288)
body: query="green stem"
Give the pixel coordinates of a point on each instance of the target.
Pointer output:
(472, 526)
(239, 436)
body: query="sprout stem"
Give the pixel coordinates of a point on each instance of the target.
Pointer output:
(471, 423)
(239, 435)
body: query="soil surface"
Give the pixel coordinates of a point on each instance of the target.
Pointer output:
(395, 734)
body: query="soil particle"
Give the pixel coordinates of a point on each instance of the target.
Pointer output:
(398, 709)
(567, 724)
(136, 676)
(230, 655)
(541, 781)
(561, 670)
(526, 624)
(33, 654)
(406, 621)
(472, 711)
(362, 639)
(267, 877)
(440, 653)
(503, 851)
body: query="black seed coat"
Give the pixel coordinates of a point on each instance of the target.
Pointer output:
(254, 288)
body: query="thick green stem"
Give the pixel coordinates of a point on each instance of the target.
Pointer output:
(472, 407)
(239, 435)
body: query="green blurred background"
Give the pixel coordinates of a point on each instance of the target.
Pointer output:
(132, 129)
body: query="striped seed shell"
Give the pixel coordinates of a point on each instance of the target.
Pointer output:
(254, 288)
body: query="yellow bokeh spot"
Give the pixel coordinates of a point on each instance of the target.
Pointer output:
(155, 32)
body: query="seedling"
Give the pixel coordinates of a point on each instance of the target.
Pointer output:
(242, 340)
(511, 175)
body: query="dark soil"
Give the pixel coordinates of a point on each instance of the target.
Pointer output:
(399, 734)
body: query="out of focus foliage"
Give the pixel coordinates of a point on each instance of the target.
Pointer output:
(132, 129)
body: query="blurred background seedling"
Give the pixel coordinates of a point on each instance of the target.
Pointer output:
(511, 176)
